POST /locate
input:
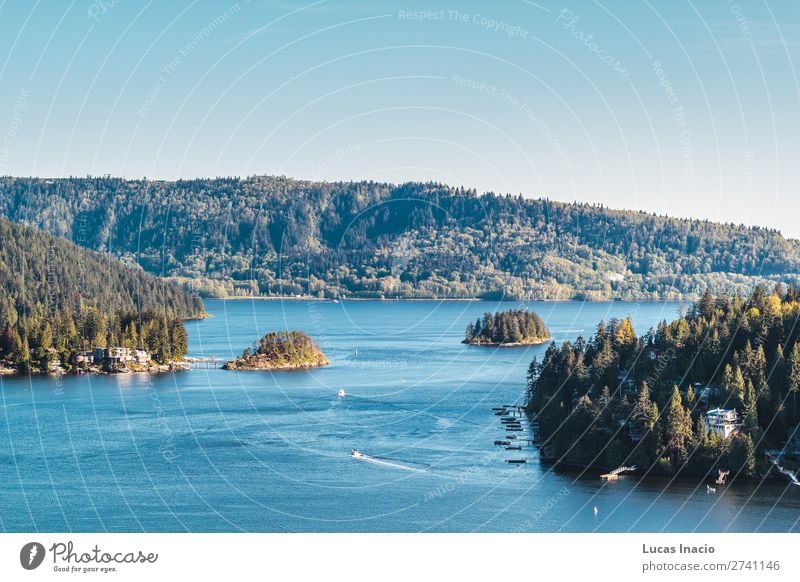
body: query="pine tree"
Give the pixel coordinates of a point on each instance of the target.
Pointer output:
(678, 429)
(750, 411)
(470, 333)
(742, 456)
(705, 306)
(178, 340)
(690, 396)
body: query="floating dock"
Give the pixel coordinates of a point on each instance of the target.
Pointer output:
(614, 475)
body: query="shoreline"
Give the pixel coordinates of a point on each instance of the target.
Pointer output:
(444, 299)
(588, 470)
(287, 368)
(182, 366)
(508, 344)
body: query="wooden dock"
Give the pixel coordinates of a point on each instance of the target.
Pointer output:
(204, 362)
(614, 475)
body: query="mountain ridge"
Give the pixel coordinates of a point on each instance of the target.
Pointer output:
(268, 235)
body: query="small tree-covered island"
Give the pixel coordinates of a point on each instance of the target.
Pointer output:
(281, 350)
(713, 391)
(516, 327)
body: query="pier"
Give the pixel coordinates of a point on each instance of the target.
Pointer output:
(204, 362)
(614, 475)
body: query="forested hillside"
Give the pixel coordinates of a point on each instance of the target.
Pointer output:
(57, 298)
(618, 399)
(278, 236)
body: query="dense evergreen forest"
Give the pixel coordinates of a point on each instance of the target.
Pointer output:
(621, 399)
(278, 236)
(280, 350)
(58, 299)
(512, 327)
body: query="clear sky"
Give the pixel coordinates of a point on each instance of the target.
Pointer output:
(684, 108)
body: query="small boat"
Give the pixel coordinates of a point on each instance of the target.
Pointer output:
(336, 301)
(356, 454)
(516, 461)
(502, 443)
(496, 408)
(511, 436)
(710, 489)
(341, 393)
(515, 448)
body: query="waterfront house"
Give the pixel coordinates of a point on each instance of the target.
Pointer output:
(723, 422)
(119, 356)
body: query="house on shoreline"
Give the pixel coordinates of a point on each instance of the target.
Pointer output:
(114, 357)
(723, 422)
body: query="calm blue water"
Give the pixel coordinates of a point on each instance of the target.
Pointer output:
(210, 450)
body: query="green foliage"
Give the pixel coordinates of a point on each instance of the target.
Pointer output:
(638, 393)
(57, 298)
(281, 349)
(508, 327)
(278, 236)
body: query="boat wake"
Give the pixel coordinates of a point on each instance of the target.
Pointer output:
(359, 456)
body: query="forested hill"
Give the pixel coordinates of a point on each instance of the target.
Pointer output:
(43, 278)
(278, 236)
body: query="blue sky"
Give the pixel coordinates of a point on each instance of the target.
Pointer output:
(683, 108)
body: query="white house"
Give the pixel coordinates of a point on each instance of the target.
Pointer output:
(723, 422)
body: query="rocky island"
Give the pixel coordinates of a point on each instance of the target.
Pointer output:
(516, 327)
(281, 350)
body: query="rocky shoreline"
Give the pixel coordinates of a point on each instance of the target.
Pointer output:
(536, 342)
(177, 366)
(270, 367)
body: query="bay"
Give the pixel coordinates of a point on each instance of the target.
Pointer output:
(211, 450)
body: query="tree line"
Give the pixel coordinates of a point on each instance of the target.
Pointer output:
(58, 299)
(278, 236)
(507, 327)
(618, 398)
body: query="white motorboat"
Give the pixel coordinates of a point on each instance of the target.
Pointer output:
(356, 454)
(342, 393)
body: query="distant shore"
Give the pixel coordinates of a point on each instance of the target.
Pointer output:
(447, 299)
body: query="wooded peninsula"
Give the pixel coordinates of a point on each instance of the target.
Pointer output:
(64, 308)
(715, 389)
